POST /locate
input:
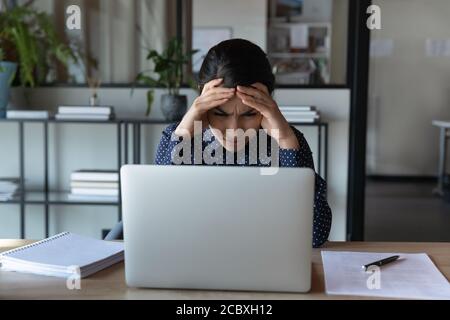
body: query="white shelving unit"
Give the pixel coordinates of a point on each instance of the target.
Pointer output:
(309, 63)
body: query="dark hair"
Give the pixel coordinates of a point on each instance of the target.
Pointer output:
(238, 62)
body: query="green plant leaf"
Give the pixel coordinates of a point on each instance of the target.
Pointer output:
(152, 54)
(168, 65)
(32, 41)
(147, 80)
(2, 56)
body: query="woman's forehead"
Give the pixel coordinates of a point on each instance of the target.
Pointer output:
(235, 105)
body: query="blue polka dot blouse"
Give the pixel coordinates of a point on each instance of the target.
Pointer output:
(287, 158)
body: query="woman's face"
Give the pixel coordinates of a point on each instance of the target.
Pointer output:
(234, 115)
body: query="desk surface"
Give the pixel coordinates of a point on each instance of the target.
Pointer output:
(110, 283)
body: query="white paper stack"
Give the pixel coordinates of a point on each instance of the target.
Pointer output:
(302, 114)
(97, 113)
(27, 114)
(8, 188)
(63, 255)
(412, 276)
(94, 185)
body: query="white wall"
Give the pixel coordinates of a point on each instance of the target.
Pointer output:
(408, 89)
(91, 146)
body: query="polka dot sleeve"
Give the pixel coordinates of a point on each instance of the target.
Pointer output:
(166, 145)
(322, 212)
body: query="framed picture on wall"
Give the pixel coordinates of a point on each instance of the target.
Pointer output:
(286, 8)
(203, 38)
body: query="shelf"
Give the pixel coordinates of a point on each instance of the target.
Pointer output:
(111, 121)
(299, 55)
(281, 23)
(57, 198)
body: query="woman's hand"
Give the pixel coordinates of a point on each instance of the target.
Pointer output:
(211, 97)
(258, 97)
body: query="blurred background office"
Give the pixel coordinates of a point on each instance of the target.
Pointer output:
(408, 89)
(315, 54)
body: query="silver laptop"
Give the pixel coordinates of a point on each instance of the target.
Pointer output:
(220, 228)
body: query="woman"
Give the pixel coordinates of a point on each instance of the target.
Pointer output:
(236, 83)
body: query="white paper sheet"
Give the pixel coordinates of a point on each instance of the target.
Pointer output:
(413, 276)
(299, 36)
(381, 47)
(437, 47)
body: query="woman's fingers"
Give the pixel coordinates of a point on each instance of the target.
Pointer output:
(259, 96)
(253, 103)
(217, 96)
(216, 90)
(212, 84)
(252, 92)
(261, 87)
(207, 105)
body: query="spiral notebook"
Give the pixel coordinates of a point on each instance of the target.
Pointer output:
(63, 255)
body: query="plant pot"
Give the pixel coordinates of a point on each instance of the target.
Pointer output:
(7, 72)
(173, 106)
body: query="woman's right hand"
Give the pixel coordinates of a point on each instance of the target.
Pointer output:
(212, 96)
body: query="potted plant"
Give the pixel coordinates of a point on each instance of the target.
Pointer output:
(28, 43)
(169, 67)
(7, 72)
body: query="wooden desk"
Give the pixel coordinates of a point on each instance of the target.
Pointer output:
(110, 283)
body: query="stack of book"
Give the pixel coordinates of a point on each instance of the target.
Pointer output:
(8, 188)
(94, 185)
(27, 114)
(98, 113)
(302, 114)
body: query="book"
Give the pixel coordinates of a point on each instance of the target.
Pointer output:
(7, 184)
(93, 110)
(58, 255)
(297, 108)
(86, 197)
(87, 117)
(94, 184)
(27, 114)
(95, 175)
(300, 113)
(303, 120)
(95, 192)
(7, 196)
(9, 188)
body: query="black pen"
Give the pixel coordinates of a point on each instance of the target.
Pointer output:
(381, 262)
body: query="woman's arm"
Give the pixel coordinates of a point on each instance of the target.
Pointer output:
(322, 212)
(166, 145)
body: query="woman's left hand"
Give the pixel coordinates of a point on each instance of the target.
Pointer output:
(258, 97)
